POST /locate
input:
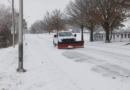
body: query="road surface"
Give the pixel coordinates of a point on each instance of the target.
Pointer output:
(90, 68)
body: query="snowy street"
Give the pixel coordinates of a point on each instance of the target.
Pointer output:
(97, 66)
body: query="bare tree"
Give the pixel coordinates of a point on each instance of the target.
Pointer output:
(58, 22)
(47, 22)
(75, 11)
(6, 22)
(109, 13)
(89, 21)
(43, 25)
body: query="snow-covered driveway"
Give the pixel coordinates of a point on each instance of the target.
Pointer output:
(94, 67)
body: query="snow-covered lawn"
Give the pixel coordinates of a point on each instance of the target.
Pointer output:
(97, 66)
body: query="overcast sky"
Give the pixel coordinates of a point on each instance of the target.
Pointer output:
(37, 8)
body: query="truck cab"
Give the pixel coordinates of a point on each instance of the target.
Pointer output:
(65, 36)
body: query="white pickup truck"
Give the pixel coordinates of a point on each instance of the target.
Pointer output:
(66, 40)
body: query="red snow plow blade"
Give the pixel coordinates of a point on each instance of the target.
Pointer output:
(76, 44)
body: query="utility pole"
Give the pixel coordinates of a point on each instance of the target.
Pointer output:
(13, 24)
(20, 63)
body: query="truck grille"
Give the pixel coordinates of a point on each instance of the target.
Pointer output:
(68, 40)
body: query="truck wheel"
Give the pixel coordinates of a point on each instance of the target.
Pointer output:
(54, 44)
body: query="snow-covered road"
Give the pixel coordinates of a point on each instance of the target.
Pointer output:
(95, 67)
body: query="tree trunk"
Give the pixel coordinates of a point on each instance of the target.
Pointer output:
(91, 37)
(106, 27)
(111, 35)
(82, 36)
(107, 36)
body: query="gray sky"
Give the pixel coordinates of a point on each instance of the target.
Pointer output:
(37, 8)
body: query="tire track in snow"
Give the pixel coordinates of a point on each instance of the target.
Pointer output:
(110, 54)
(100, 66)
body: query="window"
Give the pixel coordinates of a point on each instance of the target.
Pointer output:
(65, 34)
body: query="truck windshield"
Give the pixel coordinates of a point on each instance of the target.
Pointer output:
(65, 34)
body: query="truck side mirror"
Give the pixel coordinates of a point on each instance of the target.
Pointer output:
(55, 36)
(75, 35)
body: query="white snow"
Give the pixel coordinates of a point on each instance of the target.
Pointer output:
(97, 66)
